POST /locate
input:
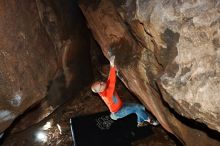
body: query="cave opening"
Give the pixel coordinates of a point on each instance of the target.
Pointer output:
(57, 49)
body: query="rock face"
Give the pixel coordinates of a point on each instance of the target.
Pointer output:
(192, 76)
(41, 48)
(66, 27)
(28, 59)
(167, 53)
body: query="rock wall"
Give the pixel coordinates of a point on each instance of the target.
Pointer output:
(66, 27)
(44, 52)
(27, 59)
(167, 53)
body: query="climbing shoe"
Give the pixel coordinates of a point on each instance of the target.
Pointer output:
(142, 124)
(153, 122)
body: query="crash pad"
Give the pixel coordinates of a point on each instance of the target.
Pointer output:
(100, 130)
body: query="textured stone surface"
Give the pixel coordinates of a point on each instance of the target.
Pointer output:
(188, 50)
(27, 59)
(192, 76)
(44, 52)
(66, 27)
(170, 43)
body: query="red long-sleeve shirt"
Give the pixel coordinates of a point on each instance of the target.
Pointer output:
(109, 95)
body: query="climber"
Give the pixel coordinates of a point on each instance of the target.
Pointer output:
(112, 100)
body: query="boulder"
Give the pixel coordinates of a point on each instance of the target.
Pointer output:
(28, 60)
(45, 58)
(167, 54)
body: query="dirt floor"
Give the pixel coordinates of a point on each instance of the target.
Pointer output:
(55, 130)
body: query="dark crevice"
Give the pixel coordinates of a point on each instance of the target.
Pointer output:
(154, 43)
(146, 31)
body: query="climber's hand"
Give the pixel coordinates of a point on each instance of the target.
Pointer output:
(112, 61)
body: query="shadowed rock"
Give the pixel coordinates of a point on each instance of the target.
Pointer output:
(42, 55)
